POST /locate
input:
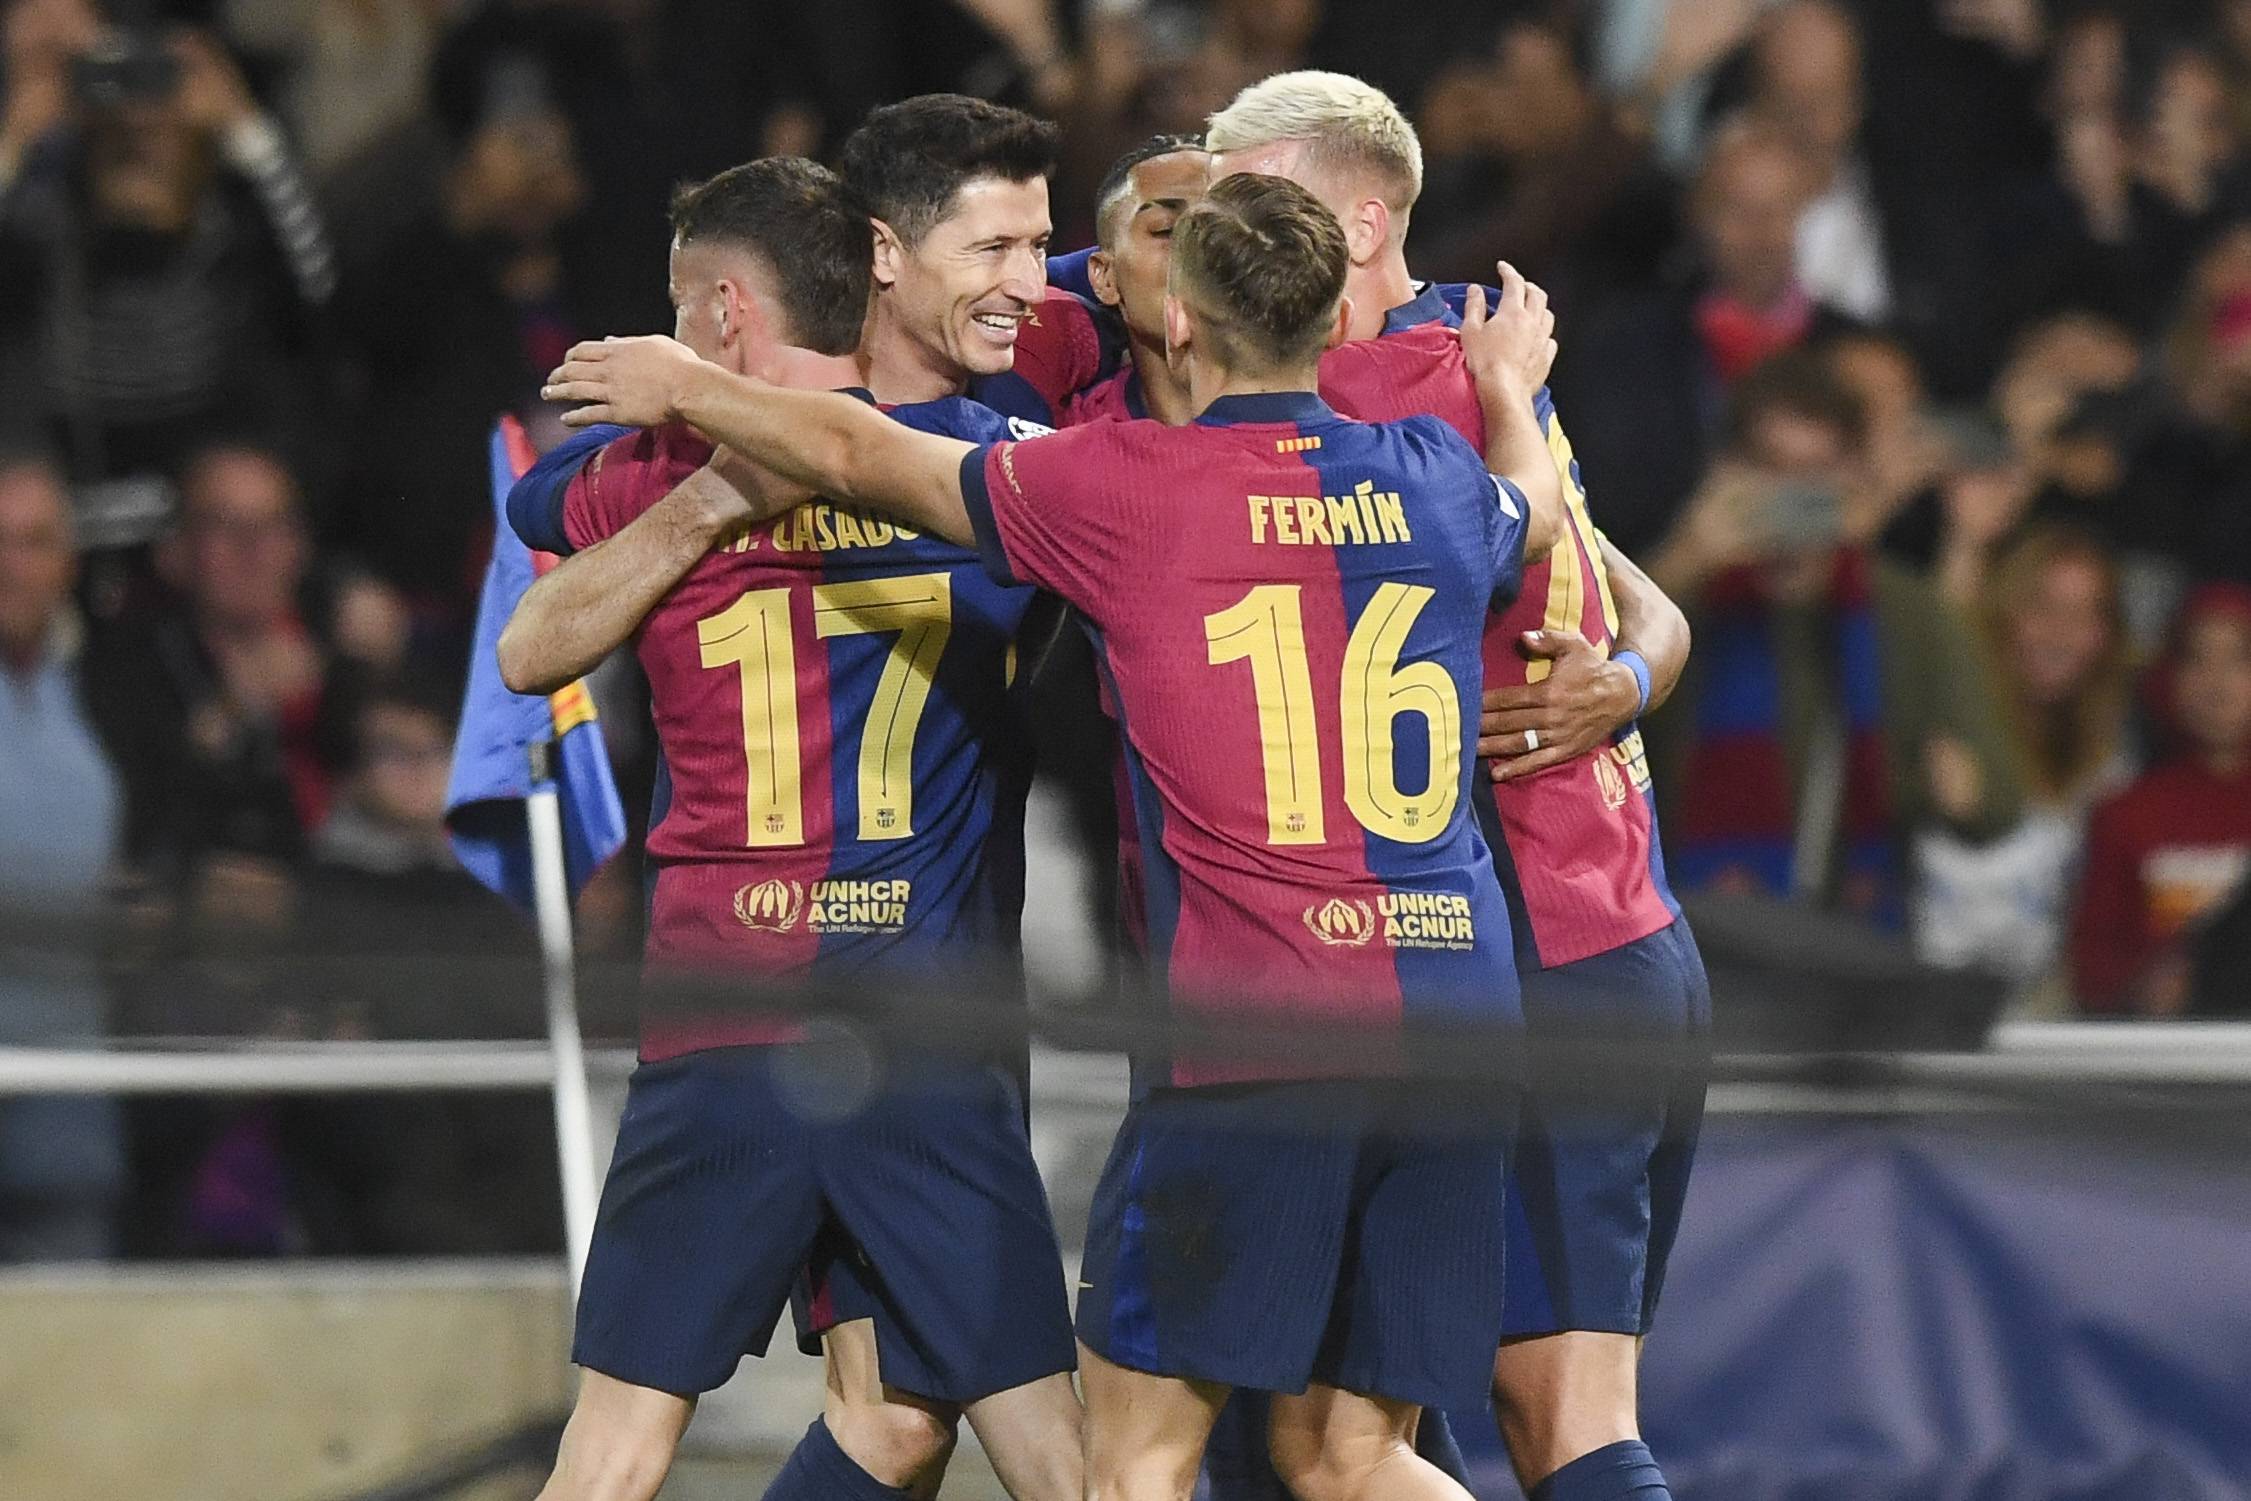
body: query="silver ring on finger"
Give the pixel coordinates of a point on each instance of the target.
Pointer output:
(1531, 741)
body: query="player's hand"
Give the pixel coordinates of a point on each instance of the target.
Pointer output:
(639, 382)
(1511, 343)
(1583, 701)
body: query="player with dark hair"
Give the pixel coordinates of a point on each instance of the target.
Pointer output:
(956, 191)
(1604, 953)
(1141, 197)
(1287, 606)
(830, 696)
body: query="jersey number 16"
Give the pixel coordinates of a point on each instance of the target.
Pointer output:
(1267, 627)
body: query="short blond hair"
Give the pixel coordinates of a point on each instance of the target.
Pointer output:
(1347, 124)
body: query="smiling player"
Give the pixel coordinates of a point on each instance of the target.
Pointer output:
(1287, 605)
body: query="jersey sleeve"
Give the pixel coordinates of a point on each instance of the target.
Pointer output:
(1064, 347)
(536, 501)
(1054, 511)
(1069, 272)
(1507, 518)
(626, 477)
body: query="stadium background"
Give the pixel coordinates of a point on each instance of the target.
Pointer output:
(1963, 286)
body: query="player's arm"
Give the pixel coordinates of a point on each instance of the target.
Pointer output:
(1587, 695)
(592, 602)
(825, 442)
(1509, 349)
(1650, 626)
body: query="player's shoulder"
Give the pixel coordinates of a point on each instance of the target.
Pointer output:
(1417, 437)
(966, 418)
(673, 450)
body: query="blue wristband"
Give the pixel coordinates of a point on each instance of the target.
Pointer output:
(1633, 663)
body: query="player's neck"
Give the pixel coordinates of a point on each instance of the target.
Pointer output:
(1163, 392)
(900, 368)
(1377, 288)
(807, 370)
(1208, 383)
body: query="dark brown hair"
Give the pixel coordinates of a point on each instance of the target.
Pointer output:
(795, 216)
(906, 161)
(1262, 261)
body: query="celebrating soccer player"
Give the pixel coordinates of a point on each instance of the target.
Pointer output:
(1287, 606)
(829, 695)
(1605, 956)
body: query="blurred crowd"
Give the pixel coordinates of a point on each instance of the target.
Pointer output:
(1906, 342)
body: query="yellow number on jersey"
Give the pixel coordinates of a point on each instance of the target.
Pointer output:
(754, 636)
(1268, 626)
(1375, 692)
(1567, 586)
(921, 609)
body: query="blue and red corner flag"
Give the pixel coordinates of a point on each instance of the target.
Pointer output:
(492, 752)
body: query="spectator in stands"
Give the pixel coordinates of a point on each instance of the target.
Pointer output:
(2193, 472)
(213, 701)
(1640, 383)
(1806, 61)
(162, 267)
(2054, 628)
(1909, 455)
(2173, 848)
(61, 1160)
(1834, 703)
(383, 880)
(485, 265)
(396, 940)
(1544, 174)
(2141, 186)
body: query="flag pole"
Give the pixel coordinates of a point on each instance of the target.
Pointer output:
(574, 1129)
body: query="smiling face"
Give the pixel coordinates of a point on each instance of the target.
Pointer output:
(1130, 268)
(965, 288)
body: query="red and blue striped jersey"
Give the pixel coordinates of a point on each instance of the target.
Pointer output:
(843, 785)
(1576, 845)
(1287, 608)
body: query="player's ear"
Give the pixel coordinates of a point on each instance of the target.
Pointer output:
(1340, 329)
(890, 254)
(1367, 230)
(1103, 278)
(1178, 334)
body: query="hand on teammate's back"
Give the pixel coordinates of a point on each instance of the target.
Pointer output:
(1575, 708)
(635, 381)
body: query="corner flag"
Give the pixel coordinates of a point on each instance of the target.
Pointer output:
(492, 752)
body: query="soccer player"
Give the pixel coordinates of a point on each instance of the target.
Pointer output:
(829, 695)
(1600, 942)
(1141, 197)
(1287, 606)
(957, 191)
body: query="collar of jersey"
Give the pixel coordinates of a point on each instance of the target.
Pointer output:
(859, 393)
(1266, 406)
(1427, 307)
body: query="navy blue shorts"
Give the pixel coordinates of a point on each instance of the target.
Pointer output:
(1274, 1235)
(1603, 1156)
(724, 1186)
